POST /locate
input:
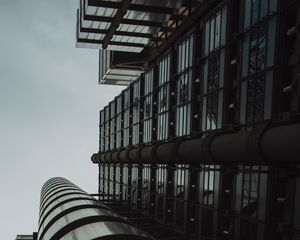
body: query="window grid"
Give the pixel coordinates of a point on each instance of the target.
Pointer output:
(126, 130)
(251, 201)
(163, 98)
(161, 194)
(248, 192)
(125, 184)
(180, 196)
(208, 198)
(134, 185)
(148, 107)
(212, 70)
(119, 119)
(102, 131)
(257, 60)
(136, 112)
(185, 53)
(146, 188)
(107, 128)
(112, 124)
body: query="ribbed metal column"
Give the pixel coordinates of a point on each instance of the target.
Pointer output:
(69, 213)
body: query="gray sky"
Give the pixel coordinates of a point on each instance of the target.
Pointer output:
(49, 103)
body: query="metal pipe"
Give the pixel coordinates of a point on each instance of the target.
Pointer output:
(260, 144)
(282, 143)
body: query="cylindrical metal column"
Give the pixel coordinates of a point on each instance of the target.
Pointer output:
(69, 213)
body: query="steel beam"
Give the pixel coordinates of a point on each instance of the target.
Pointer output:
(125, 44)
(135, 7)
(115, 23)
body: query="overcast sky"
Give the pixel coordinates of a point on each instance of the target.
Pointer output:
(49, 104)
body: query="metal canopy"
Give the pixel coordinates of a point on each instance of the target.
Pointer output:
(126, 25)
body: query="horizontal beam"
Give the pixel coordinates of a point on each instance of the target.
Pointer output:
(134, 7)
(116, 22)
(124, 21)
(125, 44)
(120, 33)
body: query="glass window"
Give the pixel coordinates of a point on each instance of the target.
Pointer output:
(134, 185)
(208, 197)
(251, 201)
(119, 121)
(125, 182)
(185, 52)
(102, 131)
(147, 107)
(112, 124)
(126, 137)
(163, 98)
(257, 60)
(212, 70)
(146, 188)
(161, 182)
(107, 128)
(136, 113)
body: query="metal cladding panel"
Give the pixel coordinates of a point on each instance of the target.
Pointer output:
(83, 218)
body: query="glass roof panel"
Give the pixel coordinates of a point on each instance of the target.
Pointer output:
(95, 25)
(140, 40)
(86, 8)
(88, 45)
(146, 16)
(115, 82)
(125, 72)
(93, 36)
(120, 77)
(160, 3)
(137, 29)
(124, 48)
(100, 11)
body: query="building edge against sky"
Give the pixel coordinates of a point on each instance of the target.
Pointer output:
(204, 141)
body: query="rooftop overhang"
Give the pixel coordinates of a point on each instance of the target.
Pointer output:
(119, 76)
(145, 27)
(119, 68)
(127, 25)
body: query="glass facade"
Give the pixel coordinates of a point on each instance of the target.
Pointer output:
(257, 60)
(184, 77)
(212, 70)
(126, 118)
(191, 130)
(163, 98)
(119, 121)
(148, 106)
(136, 112)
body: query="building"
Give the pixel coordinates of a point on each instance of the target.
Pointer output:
(67, 212)
(205, 140)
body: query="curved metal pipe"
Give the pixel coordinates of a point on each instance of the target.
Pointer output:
(134, 155)
(147, 154)
(123, 156)
(260, 144)
(282, 143)
(192, 151)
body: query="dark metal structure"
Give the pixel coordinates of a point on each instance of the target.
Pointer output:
(67, 212)
(205, 142)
